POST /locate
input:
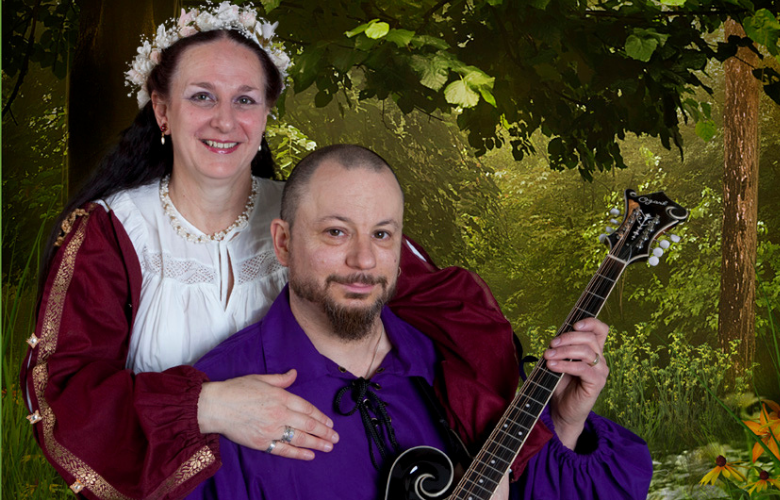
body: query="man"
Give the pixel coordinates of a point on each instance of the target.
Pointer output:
(340, 235)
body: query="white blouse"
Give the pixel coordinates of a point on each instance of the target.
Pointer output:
(185, 309)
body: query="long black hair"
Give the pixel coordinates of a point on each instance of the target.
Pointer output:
(139, 158)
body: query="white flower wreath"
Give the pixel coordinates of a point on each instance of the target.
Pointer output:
(224, 16)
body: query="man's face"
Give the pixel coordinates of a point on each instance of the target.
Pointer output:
(345, 245)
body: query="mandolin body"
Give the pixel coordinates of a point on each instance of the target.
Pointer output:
(420, 473)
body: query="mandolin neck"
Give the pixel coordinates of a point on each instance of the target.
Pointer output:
(502, 447)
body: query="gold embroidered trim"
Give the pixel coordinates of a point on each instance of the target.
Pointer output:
(86, 477)
(67, 225)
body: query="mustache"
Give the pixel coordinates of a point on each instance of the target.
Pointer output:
(363, 279)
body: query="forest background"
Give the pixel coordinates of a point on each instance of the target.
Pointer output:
(514, 128)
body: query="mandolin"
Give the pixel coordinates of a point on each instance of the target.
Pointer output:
(425, 473)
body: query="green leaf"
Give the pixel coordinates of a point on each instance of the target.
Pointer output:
(360, 29)
(478, 78)
(433, 70)
(460, 94)
(487, 95)
(673, 3)
(377, 30)
(706, 130)
(706, 109)
(401, 38)
(423, 40)
(640, 49)
(495, 2)
(307, 67)
(270, 5)
(322, 99)
(763, 28)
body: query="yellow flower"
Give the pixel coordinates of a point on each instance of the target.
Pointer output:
(763, 482)
(722, 466)
(768, 428)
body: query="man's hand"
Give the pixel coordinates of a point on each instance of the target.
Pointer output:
(254, 411)
(585, 375)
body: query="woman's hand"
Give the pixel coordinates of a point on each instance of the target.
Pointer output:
(579, 356)
(254, 411)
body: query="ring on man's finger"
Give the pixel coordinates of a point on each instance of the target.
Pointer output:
(288, 434)
(271, 447)
(595, 361)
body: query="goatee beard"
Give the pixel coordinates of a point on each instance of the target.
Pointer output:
(348, 323)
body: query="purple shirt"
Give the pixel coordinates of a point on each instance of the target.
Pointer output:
(277, 344)
(616, 465)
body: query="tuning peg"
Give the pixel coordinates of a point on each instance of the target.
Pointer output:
(614, 212)
(653, 261)
(665, 244)
(602, 237)
(674, 238)
(610, 230)
(613, 221)
(658, 252)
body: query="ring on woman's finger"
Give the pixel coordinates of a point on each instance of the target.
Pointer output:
(595, 361)
(271, 447)
(288, 434)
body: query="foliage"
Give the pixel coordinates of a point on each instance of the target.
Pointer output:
(33, 194)
(447, 191)
(289, 146)
(37, 31)
(591, 72)
(655, 390)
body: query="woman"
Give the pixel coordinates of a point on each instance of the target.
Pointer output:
(166, 252)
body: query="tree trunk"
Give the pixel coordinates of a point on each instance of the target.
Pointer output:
(109, 33)
(740, 204)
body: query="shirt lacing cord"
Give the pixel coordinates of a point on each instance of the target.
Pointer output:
(366, 400)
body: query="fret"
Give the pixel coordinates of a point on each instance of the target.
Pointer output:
(539, 386)
(528, 405)
(589, 313)
(519, 436)
(595, 295)
(494, 466)
(490, 489)
(606, 277)
(610, 256)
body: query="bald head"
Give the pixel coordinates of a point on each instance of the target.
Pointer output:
(347, 156)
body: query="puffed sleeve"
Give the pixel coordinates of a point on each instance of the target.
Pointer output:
(614, 464)
(479, 368)
(108, 432)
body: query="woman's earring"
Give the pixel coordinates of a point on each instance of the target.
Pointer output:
(163, 127)
(261, 143)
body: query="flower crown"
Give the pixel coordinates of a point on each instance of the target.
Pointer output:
(224, 16)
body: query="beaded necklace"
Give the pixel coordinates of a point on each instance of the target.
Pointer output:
(240, 222)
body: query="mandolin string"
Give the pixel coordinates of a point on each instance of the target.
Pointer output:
(536, 391)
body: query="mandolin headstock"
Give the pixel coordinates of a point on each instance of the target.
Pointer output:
(647, 217)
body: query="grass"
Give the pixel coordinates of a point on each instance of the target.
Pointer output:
(26, 473)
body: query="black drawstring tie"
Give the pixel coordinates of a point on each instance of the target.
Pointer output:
(365, 401)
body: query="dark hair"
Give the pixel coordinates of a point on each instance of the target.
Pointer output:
(139, 158)
(349, 156)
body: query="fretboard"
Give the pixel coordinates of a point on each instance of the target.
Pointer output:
(502, 447)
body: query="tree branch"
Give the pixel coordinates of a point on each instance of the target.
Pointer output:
(664, 14)
(26, 62)
(430, 12)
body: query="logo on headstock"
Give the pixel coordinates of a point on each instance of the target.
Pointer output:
(646, 201)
